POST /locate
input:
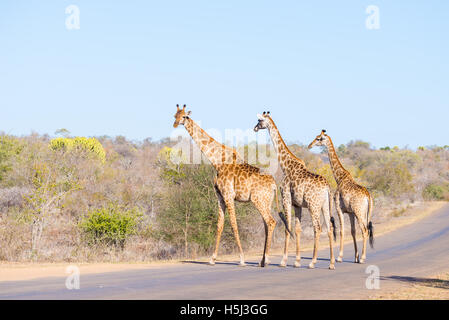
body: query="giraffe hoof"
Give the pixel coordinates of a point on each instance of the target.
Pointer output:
(282, 264)
(362, 261)
(311, 265)
(339, 259)
(332, 267)
(242, 264)
(297, 264)
(211, 263)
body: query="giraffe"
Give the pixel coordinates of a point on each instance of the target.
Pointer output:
(236, 180)
(302, 189)
(350, 197)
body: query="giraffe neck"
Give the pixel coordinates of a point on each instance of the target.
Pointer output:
(284, 154)
(340, 173)
(217, 153)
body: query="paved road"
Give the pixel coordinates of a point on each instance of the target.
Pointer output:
(414, 251)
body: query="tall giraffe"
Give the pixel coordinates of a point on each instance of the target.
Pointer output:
(302, 189)
(235, 180)
(350, 197)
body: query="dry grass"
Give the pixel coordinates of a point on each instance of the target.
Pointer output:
(412, 214)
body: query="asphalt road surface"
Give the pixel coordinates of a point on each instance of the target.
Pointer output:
(405, 255)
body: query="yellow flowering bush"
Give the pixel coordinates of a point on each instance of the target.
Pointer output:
(90, 145)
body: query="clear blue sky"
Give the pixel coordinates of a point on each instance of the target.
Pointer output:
(313, 64)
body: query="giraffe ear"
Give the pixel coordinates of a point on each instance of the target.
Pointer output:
(184, 107)
(260, 117)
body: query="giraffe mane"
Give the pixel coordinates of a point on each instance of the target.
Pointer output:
(283, 142)
(204, 132)
(347, 173)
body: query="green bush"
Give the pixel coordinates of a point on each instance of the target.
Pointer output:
(9, 147)
(189, 207)
(90, 145)
(187, 218)
(391, 179)
(111, 225)
(435, 192)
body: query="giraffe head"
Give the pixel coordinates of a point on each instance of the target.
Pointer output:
(263, 121)
(181, 115)
(320, 140)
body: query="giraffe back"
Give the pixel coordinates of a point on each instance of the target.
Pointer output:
(243, 180)
(308, 189)
(354, 197)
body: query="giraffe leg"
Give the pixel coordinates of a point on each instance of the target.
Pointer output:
(220, 224)
(364, 229)
(233, 220)
(287, 204)
(270, 223)
(329, 229)
(316, 232)
(298, 214)
(264, 257)
(263, 204)
(353, 233)
(341, 219)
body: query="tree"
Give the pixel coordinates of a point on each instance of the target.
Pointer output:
(391, 179)
(9, 148)
(188, 212)
(52, 180)
(63, 132)
(90, 146)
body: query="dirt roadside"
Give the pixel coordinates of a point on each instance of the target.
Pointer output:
(29, 271)
(418, 288)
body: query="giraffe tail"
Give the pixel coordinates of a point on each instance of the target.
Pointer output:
(330, 213)
(281, 214)
(370, 223)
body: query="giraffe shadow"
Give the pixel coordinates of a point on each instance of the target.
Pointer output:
(348, 261)
(248, 264)
(256, 264)
(328, 260)
(318, 259)
(305, 265)
(428, 282)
